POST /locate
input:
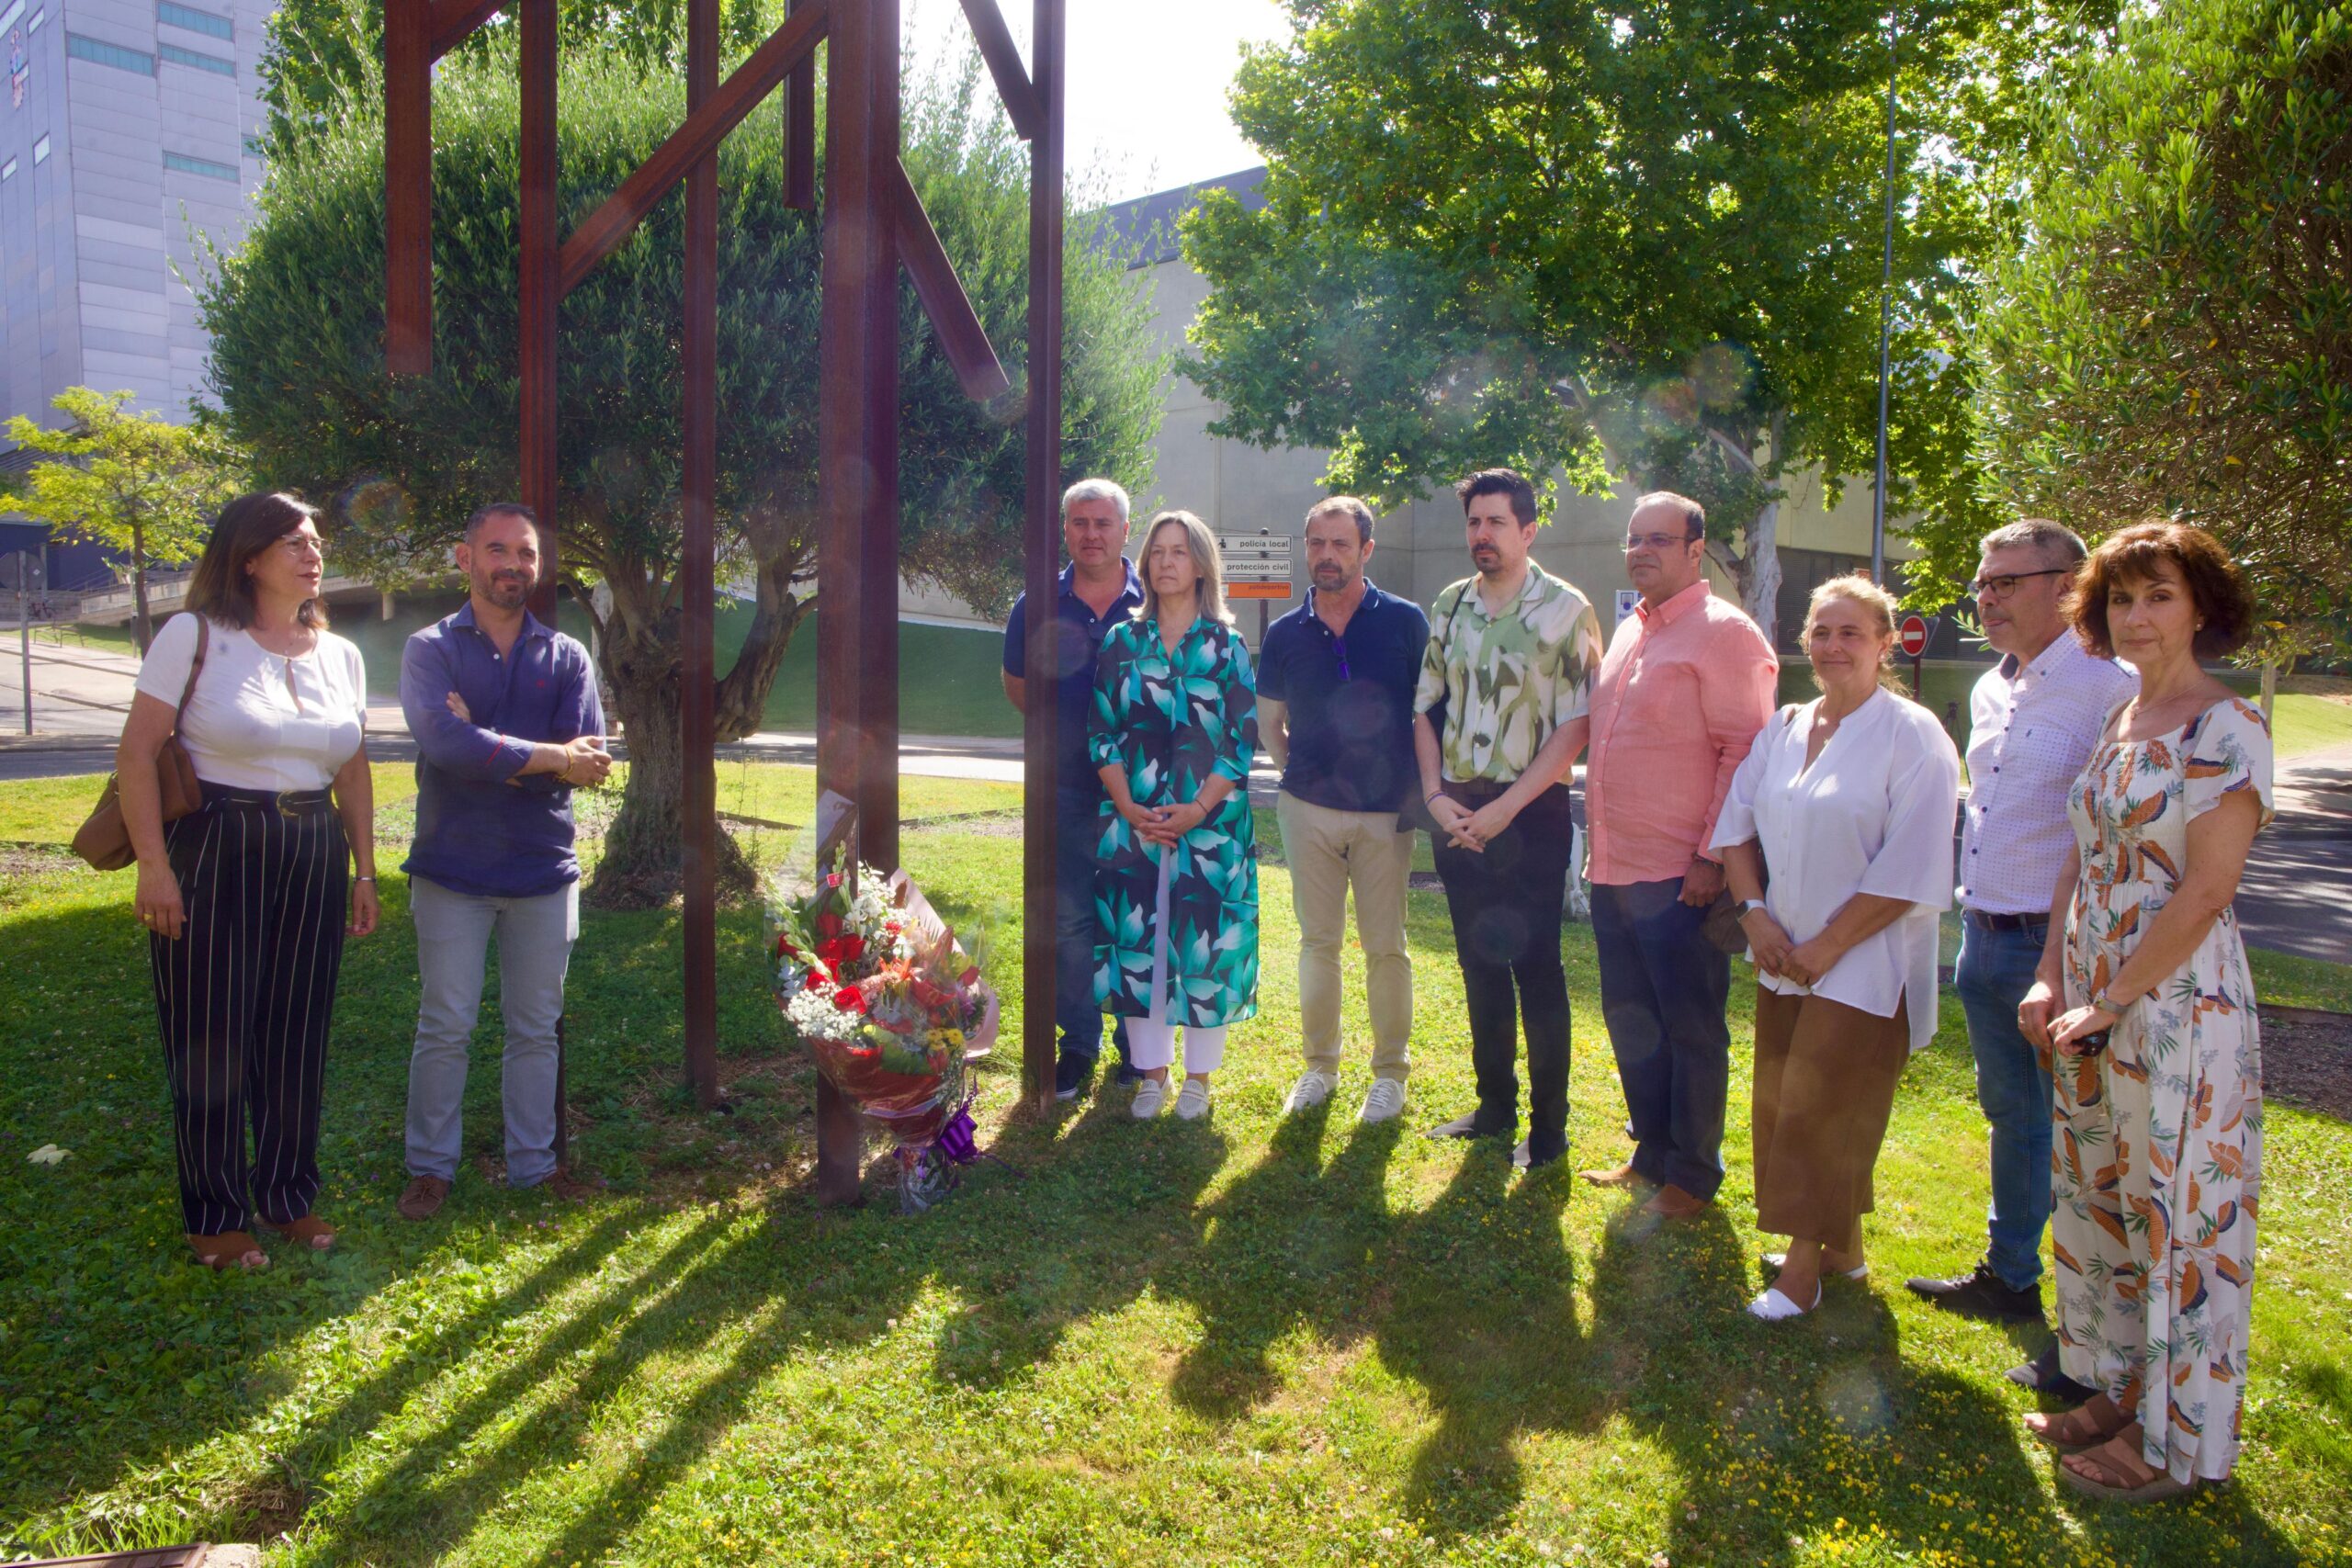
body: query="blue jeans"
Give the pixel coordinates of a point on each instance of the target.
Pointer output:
(1077, 1014)
(1663, 987)
(2013, 1087)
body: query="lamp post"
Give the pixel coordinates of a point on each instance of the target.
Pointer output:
(1885, 315)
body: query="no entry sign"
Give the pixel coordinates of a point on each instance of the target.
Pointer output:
(1914, 636)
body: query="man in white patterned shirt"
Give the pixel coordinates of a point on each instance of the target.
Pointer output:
(2033, 720)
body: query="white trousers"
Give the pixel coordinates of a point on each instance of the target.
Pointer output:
(1152, 1046)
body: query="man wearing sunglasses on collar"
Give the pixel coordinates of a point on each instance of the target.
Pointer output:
(1335, 695)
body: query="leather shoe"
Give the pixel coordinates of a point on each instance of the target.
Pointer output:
(420, 1199)
(2042, 1375)
(1616, 1176)
(1671, 1203)
(1466, 1127)
(1980, 1293)
(1525, 1158)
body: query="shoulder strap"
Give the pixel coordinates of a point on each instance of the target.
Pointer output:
(195, 668)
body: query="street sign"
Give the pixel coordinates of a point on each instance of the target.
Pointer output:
(1257, 565)
(1914, 636)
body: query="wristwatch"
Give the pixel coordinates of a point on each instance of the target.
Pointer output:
(1744, 904)
(2108, 1005)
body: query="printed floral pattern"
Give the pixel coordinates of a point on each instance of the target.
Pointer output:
(1508, 681)
(2158, 1156)
(1172, 720)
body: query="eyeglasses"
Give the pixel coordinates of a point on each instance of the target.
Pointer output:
(299, 545)
(2001, 587)
(1658, 541)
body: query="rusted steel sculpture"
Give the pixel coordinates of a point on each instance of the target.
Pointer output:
(874, 224)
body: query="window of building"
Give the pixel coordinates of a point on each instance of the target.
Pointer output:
(212, 63)
(8, 17)
(41, 149)
(194, 20)
(8, 170)
(114, 54)
(204, 167)
(38, 18)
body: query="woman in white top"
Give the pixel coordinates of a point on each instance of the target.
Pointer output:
(1848, 803)
(244, 901)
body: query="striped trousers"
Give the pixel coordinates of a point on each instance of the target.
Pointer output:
(244, 998)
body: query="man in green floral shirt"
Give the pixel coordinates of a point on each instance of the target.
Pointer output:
(1512, 662)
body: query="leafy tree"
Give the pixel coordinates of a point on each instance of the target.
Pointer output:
(2173, 335)
(1639, 241)
(297, 323)
(128, 481)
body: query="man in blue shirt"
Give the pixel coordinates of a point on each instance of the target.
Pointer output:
(507, 722)
(1335, 708)
(1098, 587)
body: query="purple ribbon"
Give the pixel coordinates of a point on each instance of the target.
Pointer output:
(957, 1140)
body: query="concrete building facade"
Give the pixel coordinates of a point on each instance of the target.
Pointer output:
(129, 133)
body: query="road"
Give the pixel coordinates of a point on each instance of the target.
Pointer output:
(2296, 896)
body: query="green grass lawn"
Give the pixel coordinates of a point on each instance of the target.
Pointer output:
(1250, 1341)
(2303, 724)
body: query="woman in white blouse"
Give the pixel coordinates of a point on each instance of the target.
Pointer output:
(1838, 842)
(244, 901)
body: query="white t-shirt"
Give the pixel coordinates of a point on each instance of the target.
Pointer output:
(258, 719)
(2031, 728)
(1874, 813)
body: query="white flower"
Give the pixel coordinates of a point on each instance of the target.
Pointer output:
(50, 1154)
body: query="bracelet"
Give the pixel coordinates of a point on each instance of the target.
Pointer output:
(368, 879)
(2107, 1004)
(1431, 795)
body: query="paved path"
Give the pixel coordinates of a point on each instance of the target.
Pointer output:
(2296, 896)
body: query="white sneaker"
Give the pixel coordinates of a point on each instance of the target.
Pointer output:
(1387, 1098)
(1150, 1094)
(1311, 1091)
(1193, 1099)
(1774, 1307)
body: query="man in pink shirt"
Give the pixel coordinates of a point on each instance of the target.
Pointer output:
(1688, 681)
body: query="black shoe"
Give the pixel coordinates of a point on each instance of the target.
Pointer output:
(1129, 1073)
(1981, 1294)
(2042, 1376)
(1467, 1127)
(1525, 1158)
(1073, 1074)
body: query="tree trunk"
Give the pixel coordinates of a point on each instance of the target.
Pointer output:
(2269, 693)
(1760, 594)
(643, 864)
(141, 628)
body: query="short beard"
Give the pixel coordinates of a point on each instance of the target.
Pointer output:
(506, 596)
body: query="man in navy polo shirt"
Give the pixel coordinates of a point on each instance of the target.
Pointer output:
(1099, 587)
(507, 722)
(1335, 708)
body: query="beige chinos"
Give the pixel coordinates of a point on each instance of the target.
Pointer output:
(1330, 852)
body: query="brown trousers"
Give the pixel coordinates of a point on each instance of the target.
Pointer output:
(1826, 1075)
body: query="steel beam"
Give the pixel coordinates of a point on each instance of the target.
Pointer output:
(857, 479)
(604, 229)
(1041, 534)
(697, 758)
(961, 336)
(800, 128)
(1024, 103)
(408, 187)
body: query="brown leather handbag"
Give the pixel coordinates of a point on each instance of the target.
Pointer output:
(105, 840)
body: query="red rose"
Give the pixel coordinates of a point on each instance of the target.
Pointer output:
(849, 998)
(811, 980)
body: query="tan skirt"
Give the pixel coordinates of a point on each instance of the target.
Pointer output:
(1826, 1075)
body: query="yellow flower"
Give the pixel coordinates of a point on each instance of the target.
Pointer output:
(951, 1038)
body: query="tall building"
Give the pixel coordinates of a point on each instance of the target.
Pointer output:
(128, 132)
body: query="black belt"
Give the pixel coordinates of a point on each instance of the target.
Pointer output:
(285, 802)
(2005, 922)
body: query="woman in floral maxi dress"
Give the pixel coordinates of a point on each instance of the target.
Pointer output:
(2157, 1152)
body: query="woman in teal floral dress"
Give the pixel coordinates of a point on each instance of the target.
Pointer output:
(1174, 732)
(2157, 1158)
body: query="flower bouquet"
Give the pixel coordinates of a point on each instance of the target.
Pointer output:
(875, 983)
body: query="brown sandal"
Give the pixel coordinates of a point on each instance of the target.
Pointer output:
(2074, 1431)
(2094, 1475)
(230, 1249)
(310, 1230)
